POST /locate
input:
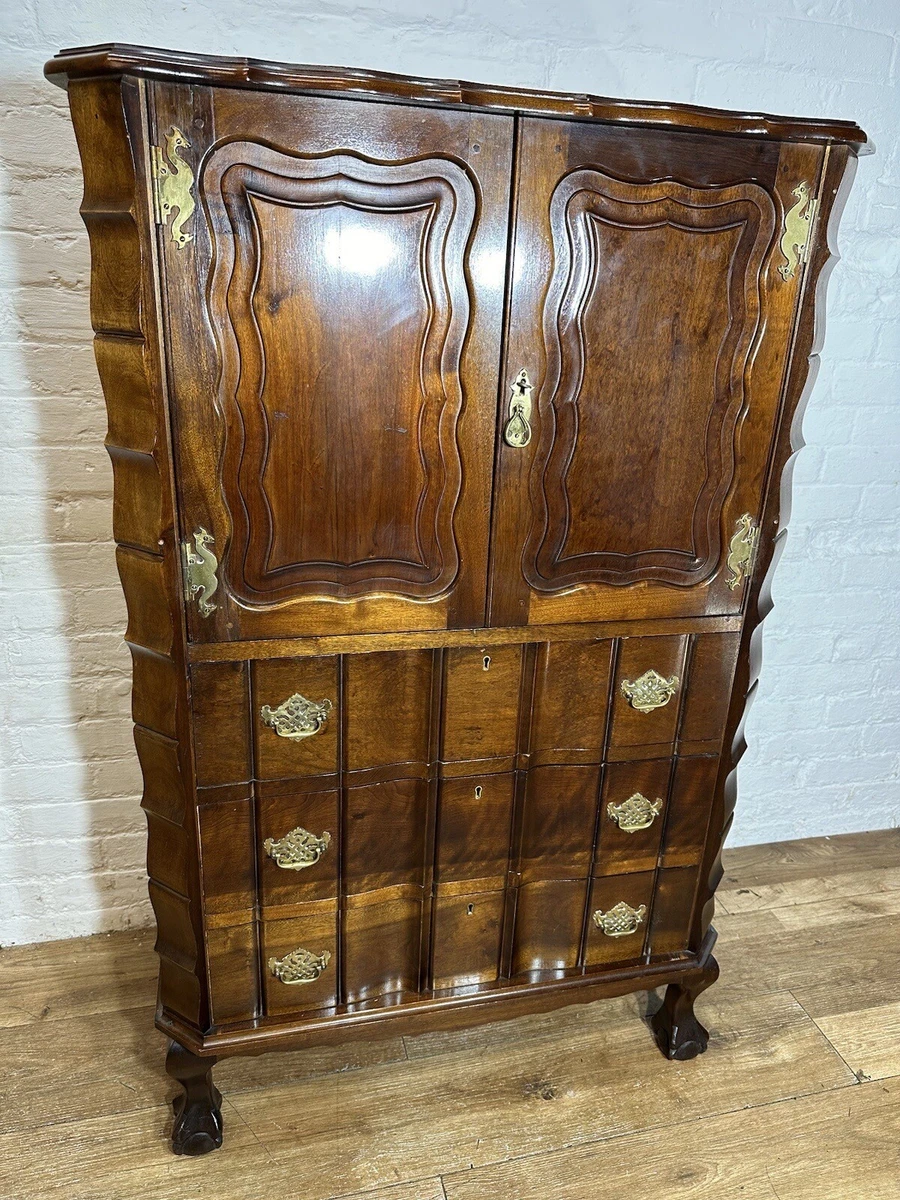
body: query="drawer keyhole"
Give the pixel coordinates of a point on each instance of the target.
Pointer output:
(487, 662)
(470, 908)
(479, 791)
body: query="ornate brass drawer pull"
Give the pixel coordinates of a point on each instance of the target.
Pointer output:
(621, 920)
(517, 430)
(297, 717)
(300, 966)
(637, 812)
(649, 691)
(297, 849)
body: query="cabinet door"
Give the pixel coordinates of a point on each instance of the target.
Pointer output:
(334, 305)
(653, 322)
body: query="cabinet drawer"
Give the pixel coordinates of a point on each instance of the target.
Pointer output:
(298, 851)
(549, 919)
(632, 816)
(275, 682)
(571, 689)
(302, 948)
(385, 832)
(646, 697)
(382, 943)
(466, 939)
(558, 822)
(481, 704)
(474, 817)
(619, 918)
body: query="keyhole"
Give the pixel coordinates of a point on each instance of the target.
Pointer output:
(470, 908)
(478, 791)
(487, 662)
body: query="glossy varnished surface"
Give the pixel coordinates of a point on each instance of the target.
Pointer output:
(799, 1090)
(343, 304)
(332, 349)
(256, 74)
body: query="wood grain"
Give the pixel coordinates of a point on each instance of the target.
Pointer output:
(534, 1107)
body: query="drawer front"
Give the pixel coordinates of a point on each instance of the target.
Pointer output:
(299, 845)
(633, 815)
(467, 937)
(300, 967)
(569, 710)
(646, 698)
(619, 918)
(474, 829)
(558, 822)
(452, 817)
(481, 705)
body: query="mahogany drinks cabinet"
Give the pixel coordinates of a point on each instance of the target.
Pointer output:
(449, 426)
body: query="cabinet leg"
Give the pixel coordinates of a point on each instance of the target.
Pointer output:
(678, 1033)
(198, 1113)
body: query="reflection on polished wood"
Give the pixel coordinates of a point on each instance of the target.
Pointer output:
(799, 1092)
(464, 393)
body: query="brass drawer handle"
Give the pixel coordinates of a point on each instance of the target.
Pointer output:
(637, 812)
(621, 920)
(517, 430)
(649, 691)
(297, 717)
(297, 849)
(300, 966)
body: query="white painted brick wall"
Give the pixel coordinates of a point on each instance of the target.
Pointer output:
(825, 731)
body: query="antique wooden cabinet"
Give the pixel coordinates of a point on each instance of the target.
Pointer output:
(449, 426)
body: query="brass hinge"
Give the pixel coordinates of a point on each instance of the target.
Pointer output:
(172, 183)
(742, 551)
(798, 226)
(200, 565)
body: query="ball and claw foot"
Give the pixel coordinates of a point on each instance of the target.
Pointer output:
(678, 1033)
(198, 1112)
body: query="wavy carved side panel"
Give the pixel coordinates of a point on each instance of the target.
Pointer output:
(108, 120)
(837, 172)
(651, 319)
(341, 308)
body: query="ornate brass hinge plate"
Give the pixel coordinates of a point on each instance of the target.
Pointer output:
(637, 812)
(297, 849)
(200, 566)
(297, 717)
(517, 430)
(300, 966)
(798, 226)
(651, 690)
(742, 551)
(172, 183)
(621, 920)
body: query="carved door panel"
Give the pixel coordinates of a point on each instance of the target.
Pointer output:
(652, 320)
(334, 322)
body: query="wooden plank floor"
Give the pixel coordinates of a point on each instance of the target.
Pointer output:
(798, 1097)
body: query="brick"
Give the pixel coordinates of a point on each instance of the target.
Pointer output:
(824, 732)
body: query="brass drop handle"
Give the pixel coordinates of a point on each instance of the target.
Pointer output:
(620, 921)
(300, 966)
(637, 812)
(297, 717)
(517, 431)
(297, 849)
(649, 691)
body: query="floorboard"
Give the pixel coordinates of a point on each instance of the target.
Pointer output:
(798, 1097)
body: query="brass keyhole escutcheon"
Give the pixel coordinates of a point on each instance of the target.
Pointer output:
(517, 430)
(486, 662)
(479, 791)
